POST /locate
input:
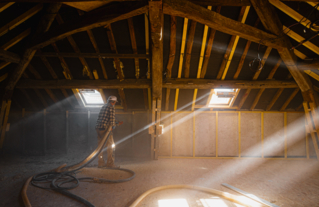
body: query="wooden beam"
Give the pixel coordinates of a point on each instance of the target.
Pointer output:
(274, 99)
(76, 48)
(5, 121)
(92, 55)
(243, 56)
(263, 61)
(134, 47)
(209, 48)
(42, 99)
(3, 77)
(55, 76)
(172, 51)
(97, 18)
(312, 65)
(9, 56)
(293, 14)
(273, 71)
(270, 20)
(117, 62)
(4, 6)
(299, 38)
(200, 62)
(294, 93)
(48, 91)
(16, 39)
(232, 46)
(260, 92)
(181, 59)
(145, 83)
(156, 23)
(189, 46)
(20, 19)
(214, 20)
(255, 77)
(4, 64)
(45, 23)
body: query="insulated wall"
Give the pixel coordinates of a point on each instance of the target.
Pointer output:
(234, 134)
(73, 131)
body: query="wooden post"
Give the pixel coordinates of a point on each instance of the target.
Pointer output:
(3, 128)
(44, 131)
(88, 138)
(67, 132)
(156, 22)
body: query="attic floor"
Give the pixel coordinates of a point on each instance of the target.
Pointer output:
(283, 182)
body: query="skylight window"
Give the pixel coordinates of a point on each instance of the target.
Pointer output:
(91, 97)
(222, 97)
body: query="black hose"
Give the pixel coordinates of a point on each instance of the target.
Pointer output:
(58, 179)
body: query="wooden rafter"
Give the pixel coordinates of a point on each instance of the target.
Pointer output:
(172, 51)
(294, 93)
(147, 48)
(243, 56)
(4, 6)
(75, 48)
(20, 19)
(214, 20)
(67, 74)
(134, 46)
(232, 45)
(92, 55)
(145, 83)
(97, 18)
(13, 42)
(45, 23)
(201, 58)
(293, 14)
(299, 38)
(274, 99)
(16, 39)
(117, 62)
(48, 91)
(96, 48)
(9, 56)
(181, 59)
(255, 77)
(260, 92)
(42, 99)
(55, 76)
(189, 46)
(209, 48)
(271, 22)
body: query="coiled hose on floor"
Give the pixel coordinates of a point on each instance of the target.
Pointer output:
(64, 177)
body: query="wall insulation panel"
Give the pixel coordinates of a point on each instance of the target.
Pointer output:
(141, 139)
(296, 135)
(165, 139)
(123, 135)
(227, 134)
(274, 137)
(183, 134)
(251, 134)
(205, 134)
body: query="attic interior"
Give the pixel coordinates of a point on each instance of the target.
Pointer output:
(216, 103)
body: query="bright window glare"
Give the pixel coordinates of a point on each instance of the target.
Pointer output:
(224, 90)
(173, 203)
(216, 100)
(92, 97)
